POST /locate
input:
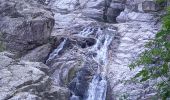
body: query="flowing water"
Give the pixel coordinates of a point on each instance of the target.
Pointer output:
(56, 51)
(98, 86)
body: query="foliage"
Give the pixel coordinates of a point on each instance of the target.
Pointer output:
(155, 60)
(160, 1)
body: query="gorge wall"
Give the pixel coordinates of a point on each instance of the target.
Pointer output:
(74, 49)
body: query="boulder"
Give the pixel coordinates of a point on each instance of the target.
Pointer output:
(149, 6)
(17, 77)
(24, 24)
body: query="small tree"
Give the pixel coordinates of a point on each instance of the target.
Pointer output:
(156, 59)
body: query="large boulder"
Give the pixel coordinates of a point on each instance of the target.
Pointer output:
(24, 24)
(20, 77)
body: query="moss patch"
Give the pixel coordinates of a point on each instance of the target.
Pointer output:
(2, 46)
(72, 72)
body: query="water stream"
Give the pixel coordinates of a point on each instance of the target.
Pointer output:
(98, 86)
(56, 51)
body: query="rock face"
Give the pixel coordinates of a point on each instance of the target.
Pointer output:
(94, 42)
(24, 24)
(138, 10)
(136, 25)
(134, 35)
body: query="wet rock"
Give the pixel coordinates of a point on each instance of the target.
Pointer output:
(38, 54)
(80, 83)
(57, 93)
(75, 98)
(83, 42)
(112, 13)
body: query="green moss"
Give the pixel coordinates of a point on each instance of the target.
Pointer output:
(2, 45)
(72, 72)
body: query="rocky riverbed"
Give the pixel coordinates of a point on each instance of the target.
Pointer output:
(74, 49)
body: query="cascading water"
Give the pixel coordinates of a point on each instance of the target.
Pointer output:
(98, 86)
(56, 51)
(89, 82)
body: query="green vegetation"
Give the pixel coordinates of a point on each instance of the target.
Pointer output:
(155, 60)
(2, 47)
(161, 1)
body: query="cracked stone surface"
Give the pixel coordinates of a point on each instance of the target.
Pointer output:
(134, 36)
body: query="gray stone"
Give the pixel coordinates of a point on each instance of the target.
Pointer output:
(5, 60)
(39, 65)
(24, 24)
(38, 54)
(149, 6)
(25, 96)
(58, 93)
(21, 77)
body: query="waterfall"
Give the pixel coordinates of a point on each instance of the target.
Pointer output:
(97, 89)
(56, 51)
(98, 86)
(86, 31)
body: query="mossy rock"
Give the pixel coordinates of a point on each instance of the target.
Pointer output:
(72, 72)
(2, 46)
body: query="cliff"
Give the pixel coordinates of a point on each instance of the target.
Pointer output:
(74, 49)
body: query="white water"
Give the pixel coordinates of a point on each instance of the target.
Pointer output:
(98, 87)
(86, 31)
(57, 50)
